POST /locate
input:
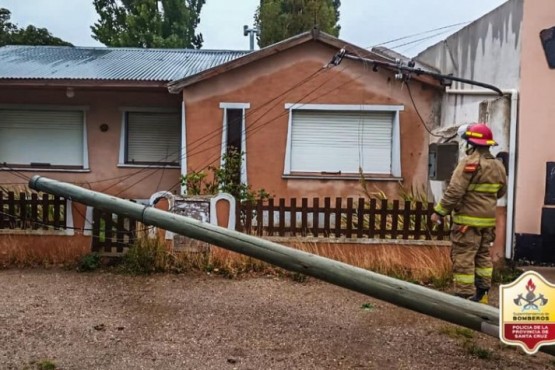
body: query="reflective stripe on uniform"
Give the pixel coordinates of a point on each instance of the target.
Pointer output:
(463, 278)
(439, 209)
(485, 272)
(474, 221)
(484, 188)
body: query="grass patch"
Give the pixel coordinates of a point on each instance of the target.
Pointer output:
(477, 351)
(466, 338)
(456, 332)
(506, 271)
(46, 365)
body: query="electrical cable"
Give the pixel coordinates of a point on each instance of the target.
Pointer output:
(419, 34)
(418, 113)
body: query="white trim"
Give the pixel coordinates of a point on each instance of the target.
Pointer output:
(235, 105)
(287, 164)
(396, 147)
(396, 171)
(243, 107)
(213, 212)
(87, 226)
(124, 165)
(349, 107)
(40, 169)
(224, 137)
(148, 109)
(122, 139)
(183, 146)
(44, 107)
(69, 218)
(121, 160)
(244, 146)
(85, 143)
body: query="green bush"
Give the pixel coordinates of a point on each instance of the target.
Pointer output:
(147, 256)
(89, 262)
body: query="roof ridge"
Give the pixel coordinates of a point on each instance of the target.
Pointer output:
(110, 48)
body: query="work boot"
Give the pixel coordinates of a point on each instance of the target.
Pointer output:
(463, 296)
(481, 296)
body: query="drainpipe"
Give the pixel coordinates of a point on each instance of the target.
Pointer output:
(511, 188)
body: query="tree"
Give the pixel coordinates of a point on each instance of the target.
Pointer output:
(281, 19)
(10, 34)
(148, 23)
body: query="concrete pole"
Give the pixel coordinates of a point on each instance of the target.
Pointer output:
(456, 310)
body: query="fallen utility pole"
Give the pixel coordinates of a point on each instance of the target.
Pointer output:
(456, 310)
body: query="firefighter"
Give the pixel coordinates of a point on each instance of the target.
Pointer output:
(471, 198)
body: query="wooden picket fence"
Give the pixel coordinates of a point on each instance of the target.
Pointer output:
(349, 218)
(23, 211)
(112, 233)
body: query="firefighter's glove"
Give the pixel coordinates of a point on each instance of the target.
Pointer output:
(437, 218)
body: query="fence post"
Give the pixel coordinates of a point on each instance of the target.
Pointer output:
(281, 216)
(372, 219)
(11, 210)
(337, 217)
(327, 215)
(418, 220)
(349, 211)
(315, 217)
(271, 216)
(304, 216)
(395, 219)
(293, 216)
(34, 211)
(383, 218)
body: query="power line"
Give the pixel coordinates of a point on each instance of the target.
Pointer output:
(419, 34)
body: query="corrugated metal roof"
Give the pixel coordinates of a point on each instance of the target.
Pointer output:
(130, 64)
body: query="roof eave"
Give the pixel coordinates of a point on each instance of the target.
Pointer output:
(28, 82)
(176, 86)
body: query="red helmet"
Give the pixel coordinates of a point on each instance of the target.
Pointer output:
(479, 134)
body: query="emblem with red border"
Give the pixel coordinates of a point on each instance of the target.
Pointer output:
(527, 312)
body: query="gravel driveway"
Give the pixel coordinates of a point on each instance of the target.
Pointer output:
(101, 320)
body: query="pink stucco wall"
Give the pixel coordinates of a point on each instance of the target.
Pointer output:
(104, 107)
(536, 118)
(271, 79)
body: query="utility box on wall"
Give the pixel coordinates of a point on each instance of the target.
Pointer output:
(442, 160)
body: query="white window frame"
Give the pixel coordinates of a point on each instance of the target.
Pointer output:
(123, 138)
(395, 133)
(81, 108)
(244, 107)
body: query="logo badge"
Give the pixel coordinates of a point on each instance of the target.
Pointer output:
(527, 312)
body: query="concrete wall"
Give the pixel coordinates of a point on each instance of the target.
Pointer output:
(536, 126)
(103, 147)
(261, 81)
(486, 50)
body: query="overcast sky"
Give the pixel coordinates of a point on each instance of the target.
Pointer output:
(363, 22)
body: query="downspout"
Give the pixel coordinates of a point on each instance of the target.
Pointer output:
(511, 188)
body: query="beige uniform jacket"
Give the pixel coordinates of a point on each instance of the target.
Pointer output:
(471, 196)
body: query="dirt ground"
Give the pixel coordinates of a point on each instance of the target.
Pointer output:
(103, 320)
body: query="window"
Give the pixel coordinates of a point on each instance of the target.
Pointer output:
(152, 138)
(340, 139)
(45, 138)
(233, 134)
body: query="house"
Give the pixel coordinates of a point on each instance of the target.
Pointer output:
(129, 122)
(504, 48)
(307, 128)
